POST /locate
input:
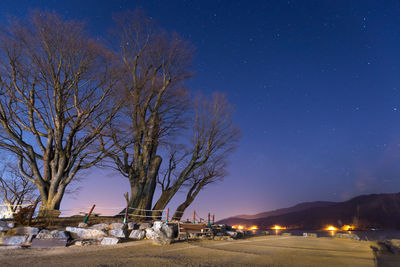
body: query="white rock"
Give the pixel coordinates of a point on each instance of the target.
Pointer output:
(14, 240)
(144, 226)
(232, 234)
(157, 225)
(151, 233)
(132, 225)
(116, 226)
(100, 226)
(4, 226)
(137, 234)
(82, 225)
(55, 234)
(347, 236)
(167, 230)
(118, 233)
(77, 232)
(25, 231)
(310, 235)
(161, 241)
(109, 241)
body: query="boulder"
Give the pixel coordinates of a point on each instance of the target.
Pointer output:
(85, 233)
(5, 226)
(218, 238)
(109, 241)
(347, 236)
(157, 225)
(14, 240)
(232, 234)
(310, 235)
(82, 225)
(117, 226)
(168, 230)
(100, 226)
(132, 226)
(137, 234)
(158, 237)
(55, 234)
(29, 231)
(160, 241)
(122, 233)
(151, 233)
(144, 226)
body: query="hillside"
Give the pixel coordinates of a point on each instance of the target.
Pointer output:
(298, 207)
(366, 211)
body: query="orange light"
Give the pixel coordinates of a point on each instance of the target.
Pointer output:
(278, 227)
(347, 227)
(331, 228)
(254, 227)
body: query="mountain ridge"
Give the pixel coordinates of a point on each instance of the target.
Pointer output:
(365, 211)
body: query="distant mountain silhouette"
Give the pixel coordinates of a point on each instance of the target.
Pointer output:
(366, 211)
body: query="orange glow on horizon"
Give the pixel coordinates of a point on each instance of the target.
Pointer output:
(348, 227)
(242, 227)
(331, 228)
(278, 227)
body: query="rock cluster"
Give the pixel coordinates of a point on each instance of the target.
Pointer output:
(347, 236)
(16, 236)
(159, 232)
(310, 235)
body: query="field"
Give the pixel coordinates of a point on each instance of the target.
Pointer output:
(261, 250)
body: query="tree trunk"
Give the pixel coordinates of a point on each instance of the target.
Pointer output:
(142, 191)
(191, 195)
(180, 210)
(50, 208)
(161, 203)
(170, 192)
(51, 199)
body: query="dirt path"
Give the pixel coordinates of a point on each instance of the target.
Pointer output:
(270, 251)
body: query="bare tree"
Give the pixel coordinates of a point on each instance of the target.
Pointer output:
(15, 190)
(156, 64)
(55, 86)
(213, 138)
(205, 175)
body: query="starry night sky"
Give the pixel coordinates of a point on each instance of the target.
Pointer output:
(315, 86)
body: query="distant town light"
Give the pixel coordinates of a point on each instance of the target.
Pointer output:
(331, 228)
(348, 227)
(278, 227)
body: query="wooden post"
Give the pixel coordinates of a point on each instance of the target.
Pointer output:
(126, 213)
(194, 216)
(213, 221)
(167, 215)
(90, 212)
(208, 222)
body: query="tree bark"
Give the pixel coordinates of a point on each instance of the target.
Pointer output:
(191, 195)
